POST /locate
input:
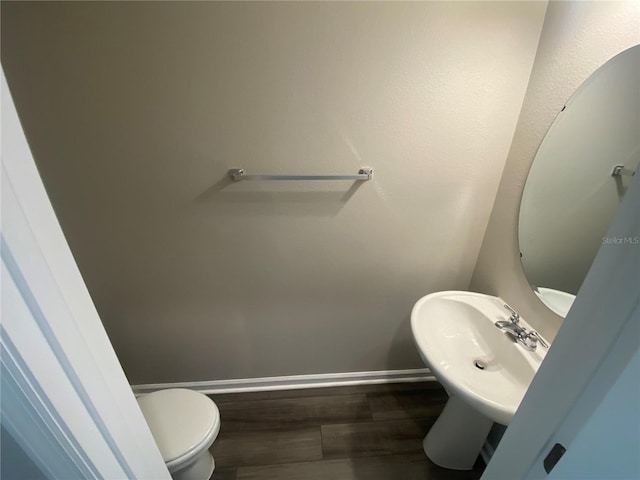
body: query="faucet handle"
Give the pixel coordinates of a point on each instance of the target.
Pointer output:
(515, 316)
(535, 336)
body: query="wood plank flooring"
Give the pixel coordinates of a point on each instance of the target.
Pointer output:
(367, 432)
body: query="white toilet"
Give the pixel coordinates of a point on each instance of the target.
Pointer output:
(184, 424)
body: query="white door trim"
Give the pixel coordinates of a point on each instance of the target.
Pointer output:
(49, 320)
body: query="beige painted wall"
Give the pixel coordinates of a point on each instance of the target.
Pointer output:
(577, 38)
(136, 111)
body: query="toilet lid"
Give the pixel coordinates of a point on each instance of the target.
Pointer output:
(179, 420)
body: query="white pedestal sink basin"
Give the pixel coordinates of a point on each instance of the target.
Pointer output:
(485, 372)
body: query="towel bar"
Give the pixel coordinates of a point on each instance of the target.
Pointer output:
(236, 174)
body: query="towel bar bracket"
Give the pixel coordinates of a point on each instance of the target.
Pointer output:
(619, 170)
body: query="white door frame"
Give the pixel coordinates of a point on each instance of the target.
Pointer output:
(56, 356)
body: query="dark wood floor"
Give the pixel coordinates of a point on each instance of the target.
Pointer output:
(368, 432)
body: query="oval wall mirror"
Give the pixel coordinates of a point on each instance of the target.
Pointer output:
(578, 178)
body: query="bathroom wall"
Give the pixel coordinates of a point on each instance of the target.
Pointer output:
(577, 38)
(136, 111)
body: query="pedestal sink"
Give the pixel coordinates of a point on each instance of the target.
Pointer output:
(485, 372)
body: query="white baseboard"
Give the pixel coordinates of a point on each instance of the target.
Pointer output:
(292, 382)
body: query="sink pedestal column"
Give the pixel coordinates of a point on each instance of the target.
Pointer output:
(456, 438)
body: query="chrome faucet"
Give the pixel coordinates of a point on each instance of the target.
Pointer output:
(528, 339)
(513, 322)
